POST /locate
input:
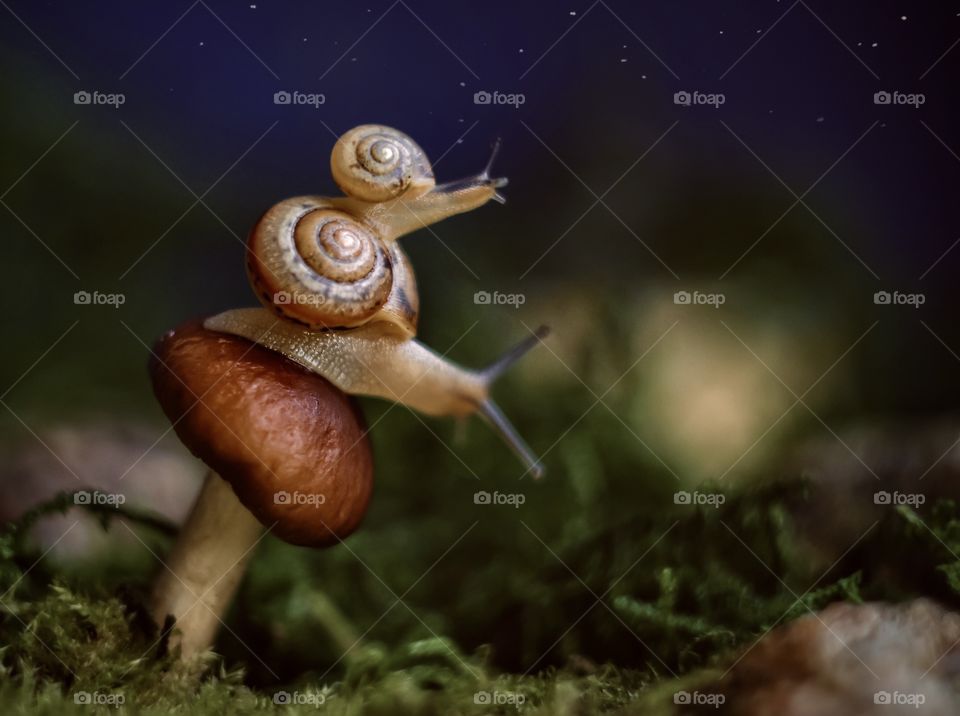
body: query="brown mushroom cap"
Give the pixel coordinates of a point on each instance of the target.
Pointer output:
(292, 445)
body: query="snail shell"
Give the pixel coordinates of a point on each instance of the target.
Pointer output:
(376, 163)
(324, 269)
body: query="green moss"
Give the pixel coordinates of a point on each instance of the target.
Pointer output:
(707, 582)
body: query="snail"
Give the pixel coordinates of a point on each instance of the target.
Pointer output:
(340, 296)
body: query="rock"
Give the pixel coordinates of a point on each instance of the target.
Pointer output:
(852, 660)
(115, 459)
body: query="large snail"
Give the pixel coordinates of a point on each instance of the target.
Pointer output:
(340, 295)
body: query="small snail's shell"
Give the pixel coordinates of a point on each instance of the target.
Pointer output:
(376, 163)
(318, 266)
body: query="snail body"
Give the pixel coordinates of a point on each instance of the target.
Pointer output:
(370, 360)
(340, 296)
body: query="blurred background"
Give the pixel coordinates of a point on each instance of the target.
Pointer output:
(716, 276)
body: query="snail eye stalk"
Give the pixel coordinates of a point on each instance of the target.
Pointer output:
(491, 412)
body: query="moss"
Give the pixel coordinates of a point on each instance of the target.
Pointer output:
(707, 582)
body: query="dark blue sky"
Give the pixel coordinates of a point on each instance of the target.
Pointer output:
(598, 81)
(799, 78)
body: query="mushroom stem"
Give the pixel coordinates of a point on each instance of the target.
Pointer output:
(204, 567)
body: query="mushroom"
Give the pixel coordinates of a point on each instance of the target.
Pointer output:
(287, 452)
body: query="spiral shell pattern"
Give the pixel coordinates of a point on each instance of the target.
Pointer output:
(318, 266)
(376, 163)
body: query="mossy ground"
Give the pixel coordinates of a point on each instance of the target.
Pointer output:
(696, 601)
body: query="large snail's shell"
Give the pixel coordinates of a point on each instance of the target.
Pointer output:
(402, 308)
(375, 163)
(319, 266)
(301, 272)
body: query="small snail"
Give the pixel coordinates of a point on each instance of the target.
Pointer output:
(345, 293)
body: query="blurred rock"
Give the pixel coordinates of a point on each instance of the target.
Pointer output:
(869, 468)
(851, 660)
(922, 454)
(112, 458)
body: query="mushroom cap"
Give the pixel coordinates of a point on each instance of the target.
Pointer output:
(292, 445)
